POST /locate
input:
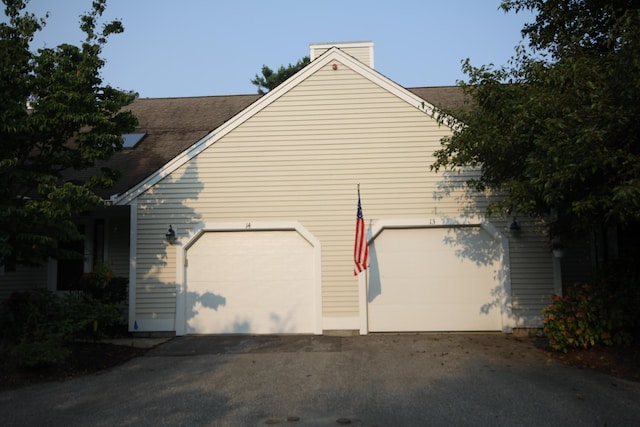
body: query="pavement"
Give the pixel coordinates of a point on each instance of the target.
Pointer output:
(293, 380)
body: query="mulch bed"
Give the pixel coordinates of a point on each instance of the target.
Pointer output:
(621, 362)
(86, 358)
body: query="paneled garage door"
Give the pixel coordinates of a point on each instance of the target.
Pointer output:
(434, 279)
(251, 282)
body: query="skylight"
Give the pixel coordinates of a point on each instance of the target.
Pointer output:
(131, 139)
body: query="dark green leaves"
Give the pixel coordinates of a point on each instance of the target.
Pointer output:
(560, 135)
(56, 117)
(271, 79)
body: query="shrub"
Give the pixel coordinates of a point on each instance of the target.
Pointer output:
(88, 316)
(41, 324)
(103, 286)
(33, 354)
(116, 291)
(35, 334)
(588, 316)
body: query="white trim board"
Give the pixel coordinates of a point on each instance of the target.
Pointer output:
(133, 244)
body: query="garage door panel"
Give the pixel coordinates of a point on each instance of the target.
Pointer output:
(265, 278)
(237, 321)
(434, 279)
(443, 317)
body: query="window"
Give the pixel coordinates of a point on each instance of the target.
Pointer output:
(131, 139)
(92, 249)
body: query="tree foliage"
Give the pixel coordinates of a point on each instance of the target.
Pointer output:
(558, 129)
(56, 118)
(271, 79)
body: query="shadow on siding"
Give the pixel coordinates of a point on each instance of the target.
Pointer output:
(160, 207)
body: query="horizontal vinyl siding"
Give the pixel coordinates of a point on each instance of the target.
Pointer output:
(118, 246)
(23, 279)
(531, 269)
(301, 159)
(155, 265)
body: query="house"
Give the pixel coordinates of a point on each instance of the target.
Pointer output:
(237, 214)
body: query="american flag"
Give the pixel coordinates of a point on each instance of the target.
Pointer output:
(361, 250)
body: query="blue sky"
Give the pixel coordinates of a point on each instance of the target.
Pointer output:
(212, 47)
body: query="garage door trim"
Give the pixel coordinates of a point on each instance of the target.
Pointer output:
(184, 244)
(505, 276)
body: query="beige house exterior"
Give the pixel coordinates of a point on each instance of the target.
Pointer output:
(263, 205)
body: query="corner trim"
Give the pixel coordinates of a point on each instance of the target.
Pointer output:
(133, 245)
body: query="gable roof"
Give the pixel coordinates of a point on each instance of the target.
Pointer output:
(171, 126)
(180, 128)
(451, 98)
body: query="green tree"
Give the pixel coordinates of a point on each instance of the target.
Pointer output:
(271, 79)
(56, 118)
(557, 130)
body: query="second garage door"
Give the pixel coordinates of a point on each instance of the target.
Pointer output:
(251, 282)
(434, 279)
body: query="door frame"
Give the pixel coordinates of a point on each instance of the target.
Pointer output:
(202, 228)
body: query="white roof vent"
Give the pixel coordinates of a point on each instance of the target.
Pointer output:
(362, 51)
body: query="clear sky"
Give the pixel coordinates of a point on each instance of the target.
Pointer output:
(215, 47)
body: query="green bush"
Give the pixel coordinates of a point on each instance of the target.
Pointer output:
(41, 324)
(33, 354)
(35, 334)
(89, 316)
(588, 316)
(101, 285)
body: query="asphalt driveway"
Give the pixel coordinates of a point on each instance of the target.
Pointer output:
(375, 380)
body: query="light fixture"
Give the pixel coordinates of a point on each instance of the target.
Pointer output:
(170, 235)
(514, 228)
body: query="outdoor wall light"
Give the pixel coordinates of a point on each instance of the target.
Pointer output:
(170, 235)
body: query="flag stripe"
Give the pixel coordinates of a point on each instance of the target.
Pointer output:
(361, 249)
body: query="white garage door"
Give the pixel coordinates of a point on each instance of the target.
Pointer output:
(434, 279)
(250, 282)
